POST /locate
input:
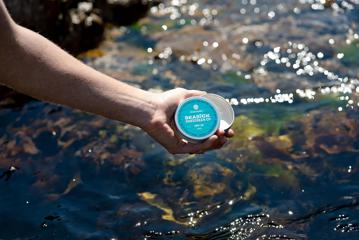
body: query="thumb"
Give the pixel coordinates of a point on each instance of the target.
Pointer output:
(194, 93)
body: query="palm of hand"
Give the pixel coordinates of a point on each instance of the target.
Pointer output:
(162, 128)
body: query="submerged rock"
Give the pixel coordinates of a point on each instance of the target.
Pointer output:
(209, 180)
(323, 135)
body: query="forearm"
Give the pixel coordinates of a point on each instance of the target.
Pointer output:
(33, 65)
(5, 20)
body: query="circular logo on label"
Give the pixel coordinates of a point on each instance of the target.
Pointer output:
(197, 118)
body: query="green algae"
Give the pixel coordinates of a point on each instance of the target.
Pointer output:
(277, 170)
(246, 128)
(143, 69)
(351, 54)
(235, 78)
(148, 28)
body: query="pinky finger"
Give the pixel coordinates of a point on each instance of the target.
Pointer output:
(229, 133)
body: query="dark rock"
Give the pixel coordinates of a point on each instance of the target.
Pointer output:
(74, 25)
(84, 28)
(124, 12)
(39, 15)
(12, 99)
(52, 218)
(8, 173)
(46, 142)
(328, 3)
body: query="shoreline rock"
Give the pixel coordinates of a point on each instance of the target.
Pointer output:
(76, 25)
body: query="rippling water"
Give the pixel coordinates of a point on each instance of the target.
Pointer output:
(290, 69)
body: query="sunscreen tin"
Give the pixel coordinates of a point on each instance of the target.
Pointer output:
(225, 110)
(198, 118)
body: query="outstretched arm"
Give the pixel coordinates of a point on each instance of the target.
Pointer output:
(33, 65)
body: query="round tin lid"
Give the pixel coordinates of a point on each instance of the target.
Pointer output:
(197, 118)
(225, 110)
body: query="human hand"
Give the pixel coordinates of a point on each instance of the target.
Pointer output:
(162, 125)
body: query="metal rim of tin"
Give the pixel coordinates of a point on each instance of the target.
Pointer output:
(192, 138)
(225, 110)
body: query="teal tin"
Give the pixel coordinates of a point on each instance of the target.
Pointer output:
(198, 118)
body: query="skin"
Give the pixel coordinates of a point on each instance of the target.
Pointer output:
(33, 65)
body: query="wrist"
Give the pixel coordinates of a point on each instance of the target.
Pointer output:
(147, 111)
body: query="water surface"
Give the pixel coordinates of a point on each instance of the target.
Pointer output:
(290, 69)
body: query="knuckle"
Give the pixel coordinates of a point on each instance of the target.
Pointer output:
(180, 89)
(157, 123)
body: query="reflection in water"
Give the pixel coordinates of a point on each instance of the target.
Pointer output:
(299, 59)
(291, 171)
(263, 226)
